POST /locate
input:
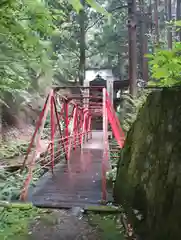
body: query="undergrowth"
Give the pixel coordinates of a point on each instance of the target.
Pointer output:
(12, 183)
(127, 113)
(129, 107)
(109, 226)
(12, 149)
(114, 157)
(14, 222)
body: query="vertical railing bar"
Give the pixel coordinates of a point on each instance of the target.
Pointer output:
(104, 159)
(52, 119)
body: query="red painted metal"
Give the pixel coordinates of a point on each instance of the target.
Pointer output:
(38, 131)
(113, 113)
(105, 140)
(66, 126)
(75, 129)
(62, 140)
(52, 119)
(114, 121)
(35, 132)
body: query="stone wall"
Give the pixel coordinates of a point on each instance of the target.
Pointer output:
(149, 172)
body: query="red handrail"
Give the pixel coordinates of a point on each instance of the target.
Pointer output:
(67, 140)
(114, 122)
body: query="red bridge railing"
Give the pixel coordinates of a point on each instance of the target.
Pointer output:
(109, 117)
(60, 140)
(63, 125)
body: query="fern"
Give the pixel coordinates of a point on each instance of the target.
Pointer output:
(127, 113)
(11, 184)
(129, 107)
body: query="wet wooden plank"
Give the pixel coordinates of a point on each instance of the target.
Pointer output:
(77, 183)
(75, 187)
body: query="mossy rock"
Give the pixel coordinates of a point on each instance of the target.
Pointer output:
(149, 171)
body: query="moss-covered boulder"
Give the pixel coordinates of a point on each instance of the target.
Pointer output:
(149, 171)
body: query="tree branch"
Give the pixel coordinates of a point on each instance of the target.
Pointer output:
(92, 25)
(101, 17)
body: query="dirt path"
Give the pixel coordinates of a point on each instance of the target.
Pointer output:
(61, 225)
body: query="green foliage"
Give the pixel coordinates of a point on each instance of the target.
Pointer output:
(14, 224)
(107, 41)
(129, 107)
(11, 184)
(111, 175)
(12, 149)
(76, 5)
(127, 113)
(166, 66)
(95, 5)
(26, 28)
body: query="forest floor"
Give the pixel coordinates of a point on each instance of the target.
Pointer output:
(36, 224)
(61, 225)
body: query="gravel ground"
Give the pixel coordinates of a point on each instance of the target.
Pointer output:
(62, 225)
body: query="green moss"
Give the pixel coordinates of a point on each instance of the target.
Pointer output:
(108, 226)
(148, 178)
(14, 224)
(49, 219)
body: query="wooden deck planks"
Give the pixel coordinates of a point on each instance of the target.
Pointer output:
(75, 184)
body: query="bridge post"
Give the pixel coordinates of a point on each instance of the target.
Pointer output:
(105, 150)
(66, 121)
(52, 119)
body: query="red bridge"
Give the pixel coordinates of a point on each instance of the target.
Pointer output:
(76, 155)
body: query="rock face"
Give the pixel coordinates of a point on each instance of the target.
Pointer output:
(149, 171)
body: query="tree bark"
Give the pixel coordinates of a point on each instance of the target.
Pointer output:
(156, 22)
(178, 17)
(169, 18)
(145, 60)
(82, 45)
(1, 125)
(132, 72)
(144, 25)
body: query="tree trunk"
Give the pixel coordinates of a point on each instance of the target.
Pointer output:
(150, 16)
(145, 60)
(156, 22)
(1, 126)
(144, 40)
(132, 47)
(178, 17)
(82, 45)
(169, 18)
(148, 177)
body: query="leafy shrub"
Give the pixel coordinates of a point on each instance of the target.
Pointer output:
(11, 184)
(166, 66)
(13, 221)
(14, 224)
(129, 107)
(12, 149)
(127, 113)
